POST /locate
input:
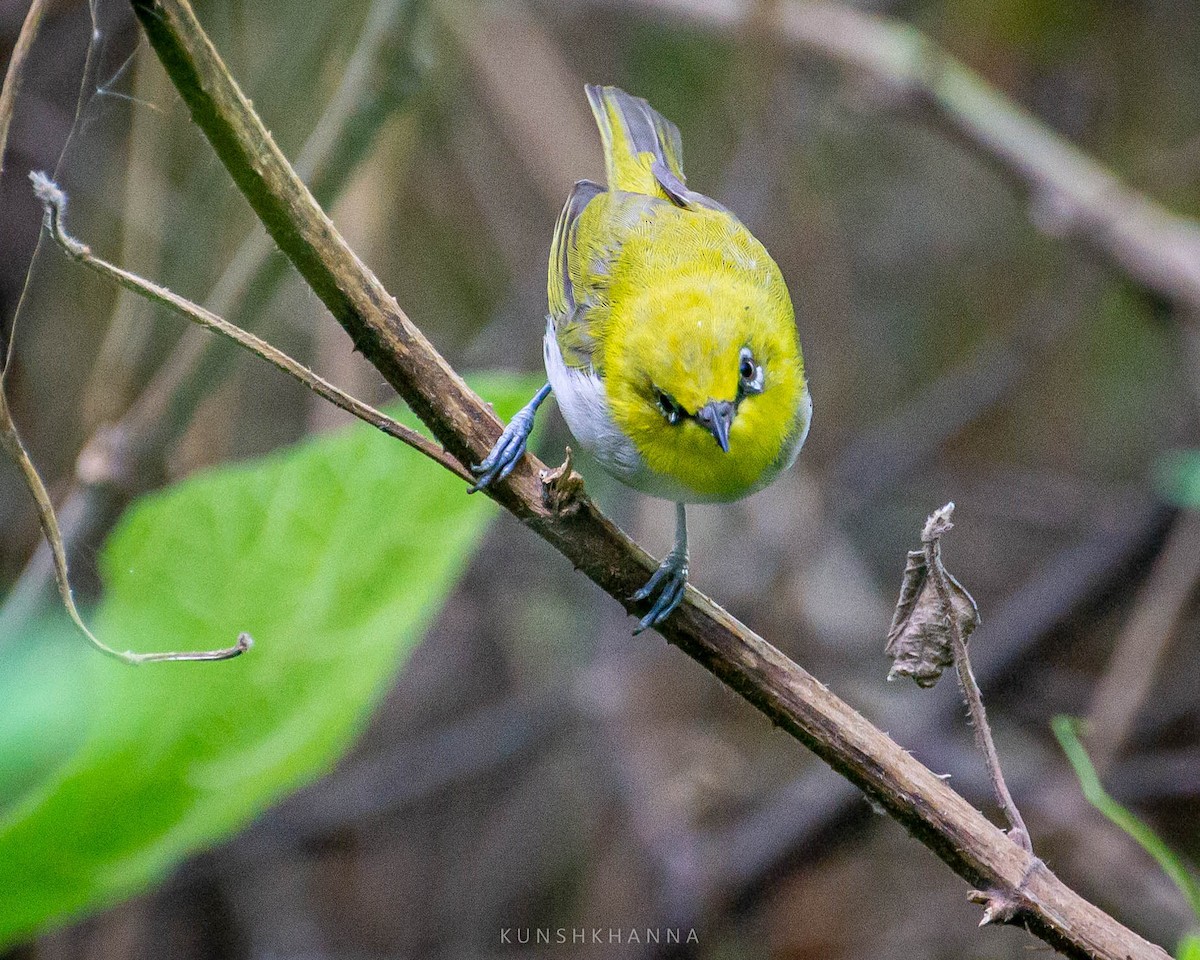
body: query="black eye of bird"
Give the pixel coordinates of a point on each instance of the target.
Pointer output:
(670, 409)
(750, 372)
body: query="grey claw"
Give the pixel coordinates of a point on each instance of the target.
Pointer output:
(513, 460)
(667, 602)
(651, 585)
(669, 583)
(503, 457)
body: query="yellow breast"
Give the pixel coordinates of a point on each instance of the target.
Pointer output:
(688, 293)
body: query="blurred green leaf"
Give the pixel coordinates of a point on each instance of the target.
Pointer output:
(1177, 476)
(334, 554)
(1189, 948)
(1098, 797)
(43, 705)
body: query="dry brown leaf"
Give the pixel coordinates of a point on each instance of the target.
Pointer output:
(919, 640)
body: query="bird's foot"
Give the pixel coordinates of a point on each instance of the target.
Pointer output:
(503, 457)
(666, 587)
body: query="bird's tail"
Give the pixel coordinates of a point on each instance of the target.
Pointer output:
(634, 136)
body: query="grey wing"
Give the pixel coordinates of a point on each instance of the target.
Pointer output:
(561, 287)
(677, 189)
(566, 310)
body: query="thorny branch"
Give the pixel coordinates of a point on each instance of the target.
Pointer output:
(788, 695)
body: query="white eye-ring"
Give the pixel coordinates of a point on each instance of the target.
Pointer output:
(750, 373)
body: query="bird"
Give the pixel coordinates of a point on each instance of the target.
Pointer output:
(671, 344)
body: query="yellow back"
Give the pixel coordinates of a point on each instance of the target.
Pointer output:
(659, 291)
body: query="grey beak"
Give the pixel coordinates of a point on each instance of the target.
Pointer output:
(716, 417)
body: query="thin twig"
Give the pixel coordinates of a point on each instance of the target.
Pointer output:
(10, 440)
(126, 345)
(8, 101)
(788, 695)
(54, 201)
(936, 526)
(16, 69)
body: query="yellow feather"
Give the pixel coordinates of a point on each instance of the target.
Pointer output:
(661, 297)
(634, 135)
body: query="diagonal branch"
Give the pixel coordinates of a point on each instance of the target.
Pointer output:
(788, 695)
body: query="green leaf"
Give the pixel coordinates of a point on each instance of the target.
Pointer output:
(43, 712)
(1098, 797)
(1189, 948)
(1177, 477)
(334, 555)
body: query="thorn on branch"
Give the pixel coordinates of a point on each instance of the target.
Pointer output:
(561, 487)
(998, 906)
(1004, 906)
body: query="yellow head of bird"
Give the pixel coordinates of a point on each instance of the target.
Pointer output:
(707, 382)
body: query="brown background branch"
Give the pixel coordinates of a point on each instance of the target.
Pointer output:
(789, 696)
(1070, 194)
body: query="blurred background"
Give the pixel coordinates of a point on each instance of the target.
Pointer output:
(533, 766)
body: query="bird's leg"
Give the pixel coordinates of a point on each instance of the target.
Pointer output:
(669, 580)
(511, 445)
